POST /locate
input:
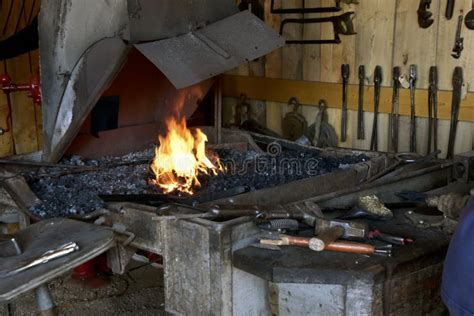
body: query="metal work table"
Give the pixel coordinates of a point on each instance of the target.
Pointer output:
(417, 266)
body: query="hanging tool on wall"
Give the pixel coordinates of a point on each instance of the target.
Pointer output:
(345, 82)
(455, 106)
(469, 18)
(294, 124)
(413, 77)
(424, 16)
(433, 110)
(394, 115)
(377, 84)
(342, 25)
(450, 9)
(303, 10)
(321, 133)
(459, 41)
(360, 112)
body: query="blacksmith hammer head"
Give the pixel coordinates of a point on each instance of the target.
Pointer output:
(9, 246)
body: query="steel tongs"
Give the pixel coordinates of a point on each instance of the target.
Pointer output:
(44, 258)
(433, 110)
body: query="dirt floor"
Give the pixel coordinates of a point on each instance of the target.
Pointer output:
(138, 292)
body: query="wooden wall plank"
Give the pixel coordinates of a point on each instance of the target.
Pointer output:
(6, 140)
(273, 69)
(26, 118)
(414, 45)
(374, 46)
(332, 57)
(23, 111)
(446, 64)
(446, 36)
(312, 53)
(292, 54)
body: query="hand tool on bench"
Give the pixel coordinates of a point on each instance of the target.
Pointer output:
(394, 115)
(458, 41)
(402, 159)
(360, 248)
(455, 106)
(49, 255)
(345, 82)
(413, 77)
(433, 110)
(469, 18)
(377, 84)
(360, 112)
(337, 246)
(424, 16)
(351, 229)
(328, 231)
(326, 237)
(342, 25)
(394, 240)
(450, 9)
(336, 8)
(325, 232)
(280, 225)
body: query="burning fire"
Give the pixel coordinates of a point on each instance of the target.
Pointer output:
(180, 158)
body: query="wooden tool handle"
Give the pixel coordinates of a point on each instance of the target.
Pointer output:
(327, 237)
(314, 243)
(296, 241)
(352, 247)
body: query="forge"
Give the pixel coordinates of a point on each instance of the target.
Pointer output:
(131, 178)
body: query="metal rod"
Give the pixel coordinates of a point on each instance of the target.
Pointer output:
(218, 111)
(44, 301)
(413, 77)
(377, 84)
(394, 115)
(455, 106)
(345, 82)
(360, 114)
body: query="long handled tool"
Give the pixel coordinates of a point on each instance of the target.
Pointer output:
(345, 82)
(377, 83)
(459, 40)
(449, 9)
(413, 75)
(433, 110)
(394, 115)
(455, 105)
(339, 246)
(360, 112)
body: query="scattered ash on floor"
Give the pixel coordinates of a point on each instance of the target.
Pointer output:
(67, 192)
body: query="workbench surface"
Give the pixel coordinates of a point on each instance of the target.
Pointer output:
(300, 265)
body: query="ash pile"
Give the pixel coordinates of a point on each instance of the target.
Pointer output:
(80, 188)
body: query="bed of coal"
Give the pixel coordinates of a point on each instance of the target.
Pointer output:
(80, 188)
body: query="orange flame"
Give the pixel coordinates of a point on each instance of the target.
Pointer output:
(180, 158)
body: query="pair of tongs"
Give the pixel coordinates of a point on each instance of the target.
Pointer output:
(44, 258)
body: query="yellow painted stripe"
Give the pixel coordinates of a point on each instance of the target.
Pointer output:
(309, 93)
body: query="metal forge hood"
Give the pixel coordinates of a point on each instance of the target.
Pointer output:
(83, 45)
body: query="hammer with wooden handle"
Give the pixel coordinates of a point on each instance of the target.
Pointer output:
(339, 246)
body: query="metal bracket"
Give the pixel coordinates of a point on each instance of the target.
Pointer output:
(342, 24)
(336, 8)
